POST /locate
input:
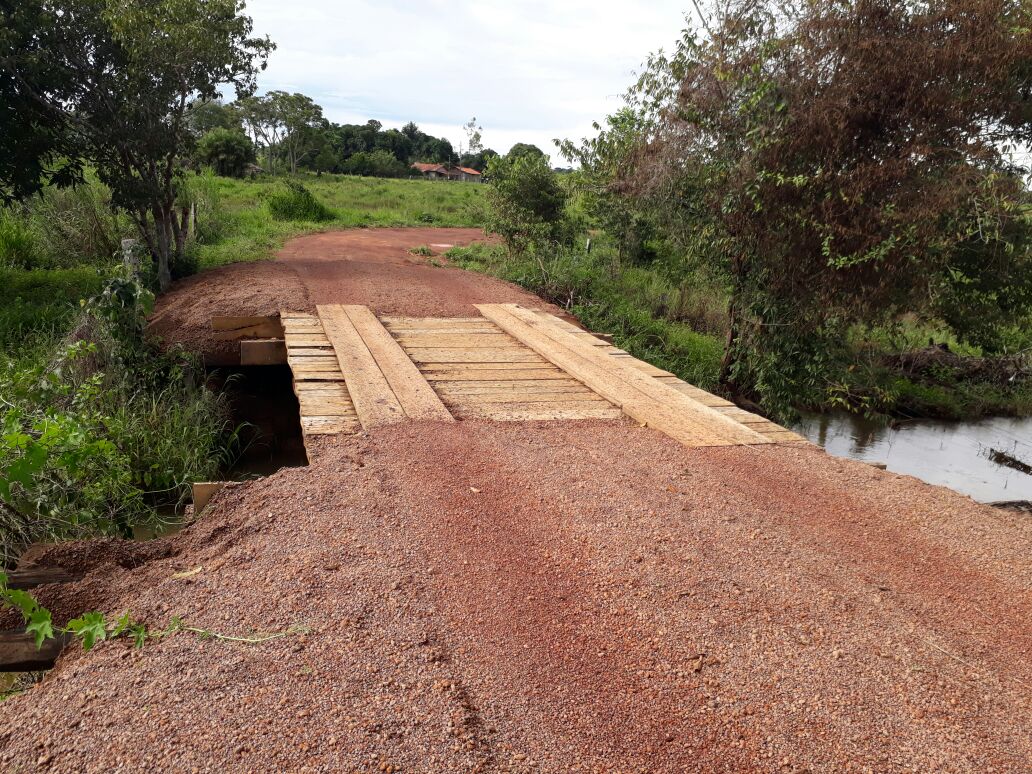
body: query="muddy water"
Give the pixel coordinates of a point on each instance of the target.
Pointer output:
(953, 454)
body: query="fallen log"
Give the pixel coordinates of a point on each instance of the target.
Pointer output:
(18, 652)
(1010, 461)
(30, 577)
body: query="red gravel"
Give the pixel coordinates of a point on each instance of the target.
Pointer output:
(361, 266)
(607, 600)
(564, 596)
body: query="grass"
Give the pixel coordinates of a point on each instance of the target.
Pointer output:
(245, 229)
(605, 300)
(38, 306)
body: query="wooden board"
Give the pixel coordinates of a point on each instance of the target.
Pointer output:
(529, 412)
(417, 398)
(235, 328)
(455, 340)
(475, 355)
(375, 401)
(263, 352)
(322, 393)
(203, 491)
(639, 395)
(18, 652)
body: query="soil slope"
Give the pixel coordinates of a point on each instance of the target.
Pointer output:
(561, 596)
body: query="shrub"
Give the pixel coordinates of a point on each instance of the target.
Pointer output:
(377, 163)
(18, 248)
(92, 440)
(227, 151)
(298, 203)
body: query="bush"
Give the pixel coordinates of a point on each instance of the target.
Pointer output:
(94, 438)
(377, 163)
(528, 206)
(18, 248)
(227, 151)
(298, 203)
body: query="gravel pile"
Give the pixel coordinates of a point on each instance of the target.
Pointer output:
(567, 596)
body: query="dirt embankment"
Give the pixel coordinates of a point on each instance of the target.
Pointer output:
(560, 596)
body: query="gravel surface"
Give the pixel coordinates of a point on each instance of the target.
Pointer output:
(361, 266)
(546, 596)
(555, 596)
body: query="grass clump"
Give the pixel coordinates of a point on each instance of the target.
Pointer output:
(298, 203)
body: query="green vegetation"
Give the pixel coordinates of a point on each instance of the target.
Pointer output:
(98, 428)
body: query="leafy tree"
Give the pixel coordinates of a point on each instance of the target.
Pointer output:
(479, 160)
(299, 115)
(120, 75)
(377, 163)
(203, 115)
(326, 160)
(37, 147)
(830, 159)
(264, 123)
(226, 151)
(602, 162)
(525, 149)
(527, 204)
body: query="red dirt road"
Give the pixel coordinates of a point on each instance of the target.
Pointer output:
(362, 266)
(560, 596)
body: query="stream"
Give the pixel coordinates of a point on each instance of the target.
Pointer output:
(952, 454)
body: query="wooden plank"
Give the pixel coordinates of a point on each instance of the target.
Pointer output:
(475, 375)
(413, 392)
(306, 340)
(234, 328)
(331, 425)
(372, 395)
(18, 652)
(541, 364)
(476, 355)
(203, 491)
(316, 405)
(320, 377)
(31, 577)
(472, 330)
(429, 322)
(457, 340)
(263, 352)
(641, 397)
(503, 412)
(527, 397)
(694, 414)
(329, 388)
(516, 385)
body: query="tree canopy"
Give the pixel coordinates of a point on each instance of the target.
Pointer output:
(836, 162)
(115, 79)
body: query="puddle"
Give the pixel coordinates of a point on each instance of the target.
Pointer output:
(953, 454)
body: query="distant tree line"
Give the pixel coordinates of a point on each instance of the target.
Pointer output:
(287, 133)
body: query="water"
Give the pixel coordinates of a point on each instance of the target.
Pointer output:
(952, 454)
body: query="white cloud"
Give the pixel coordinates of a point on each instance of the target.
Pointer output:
(529, 71)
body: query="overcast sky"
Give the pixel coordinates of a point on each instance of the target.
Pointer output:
(529, 71)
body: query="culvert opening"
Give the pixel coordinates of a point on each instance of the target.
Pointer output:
(263, 404)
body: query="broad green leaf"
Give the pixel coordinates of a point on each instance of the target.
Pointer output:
(40, 626)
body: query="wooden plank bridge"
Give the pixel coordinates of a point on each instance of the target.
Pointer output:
(353, 370)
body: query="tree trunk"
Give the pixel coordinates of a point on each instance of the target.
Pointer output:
(162, 226)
